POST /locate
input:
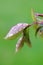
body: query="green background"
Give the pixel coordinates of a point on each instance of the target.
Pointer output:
(11, 13)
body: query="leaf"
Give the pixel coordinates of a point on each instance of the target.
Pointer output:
(34, 19)
(26, 37)
(19, 44)
(16, 30)
(33, 15)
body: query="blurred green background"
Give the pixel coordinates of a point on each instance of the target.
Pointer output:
(11, 13)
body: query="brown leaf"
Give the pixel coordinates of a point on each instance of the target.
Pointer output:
(19, 44)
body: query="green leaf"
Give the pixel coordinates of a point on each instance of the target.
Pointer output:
(26, 37)
(34, 19)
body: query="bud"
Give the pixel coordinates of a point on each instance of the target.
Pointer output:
(37, 14)
(39, 31)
